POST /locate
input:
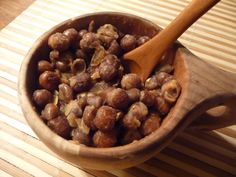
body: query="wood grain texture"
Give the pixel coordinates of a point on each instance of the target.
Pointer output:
(193, 153)
(11, 9)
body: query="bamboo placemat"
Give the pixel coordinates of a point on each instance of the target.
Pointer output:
(212, 38)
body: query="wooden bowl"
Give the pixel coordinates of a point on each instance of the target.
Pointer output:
(201, 90)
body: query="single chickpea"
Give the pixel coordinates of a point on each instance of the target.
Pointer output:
(60, 126)
(59, 41)
(131, 81)
(49, 80)
(105, 118)
(104, 139)
(50, 111)
(42, 96)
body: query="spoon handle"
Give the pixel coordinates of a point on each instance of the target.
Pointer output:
(162, 41)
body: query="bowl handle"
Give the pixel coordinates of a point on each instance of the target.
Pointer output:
(213, 93)
(215, 118)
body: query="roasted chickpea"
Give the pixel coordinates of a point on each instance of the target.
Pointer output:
(78, 66)
(171, 90)
(114, 48)
(44, 65)
(72, 34)
(148, 98)
(107, 72)
(60, 126)
(54, 55)
(118, 98)
(95, 100)
(152, 123)
(89, 116)
(163, 77)
(82, 99)
(161, 105)
(49, 80)
(128, 42)
(59, 41)
(130, 136)
(81, 82)
(138, 110)
(104, 139)
(133, 94)
(141, 40)
(81, 137)
(42, 97)
(65, 93)
(131, 81)
(112, 60)
(151, 83)
(105, 118)
(50, 111)
(131, 122)
(89, 41)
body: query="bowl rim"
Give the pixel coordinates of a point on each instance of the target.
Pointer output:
(56, 142)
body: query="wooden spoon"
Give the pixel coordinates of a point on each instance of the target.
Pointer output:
(143, 59)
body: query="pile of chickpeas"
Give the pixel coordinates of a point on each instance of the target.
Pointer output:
(86, 95)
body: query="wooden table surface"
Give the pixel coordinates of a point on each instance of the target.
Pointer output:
(192, 153)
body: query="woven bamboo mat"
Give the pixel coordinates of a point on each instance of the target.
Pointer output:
(207, 154)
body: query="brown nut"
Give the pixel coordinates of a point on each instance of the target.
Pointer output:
(95, 101)
(78, 66)
(152, 123)
(50, 111)
(81, 137)
(44, 65)
(108, 30)
(81, 82)
(131, 81)
(163, 77)
(89, 116)
(59, 41)
(151, 83)
(104, 139)
(141, 40)
(112, 60)
(89, 41)
(60, 126)
(138, 110)
(133, 94)
(107, 72)
(54, 55)
(118, 98)
(130, 136)
(49, 80)
(105, 118)
(148, 98)
(42, 97)
(131, 122)
(82, 99)
(72, 34)
(114, 48)
(171, 90)
(161, 105)
(128, 42)
(65, 93)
